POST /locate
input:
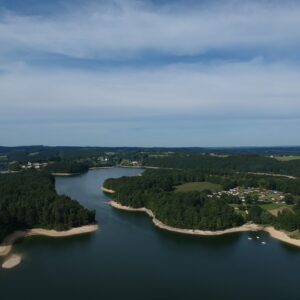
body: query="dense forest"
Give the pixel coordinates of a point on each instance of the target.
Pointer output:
(28, 199)
(232, 163)
(202, 210)
(71, 167)
(172, 157)
(228, 180)
(184, 210)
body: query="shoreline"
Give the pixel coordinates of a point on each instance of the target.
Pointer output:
(7, 244)
(273, 174)
(108, 191)
(279, 235)
(65, 174)
(96, 168)
(12, 261)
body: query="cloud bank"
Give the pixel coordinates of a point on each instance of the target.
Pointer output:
(123, 28)
(136, 63)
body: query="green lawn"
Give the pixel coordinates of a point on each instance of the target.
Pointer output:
(271, 206)
(198, 186)
(33, 153)
(287, 157)
(274, 208)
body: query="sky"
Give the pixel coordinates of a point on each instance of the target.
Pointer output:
(150, 73)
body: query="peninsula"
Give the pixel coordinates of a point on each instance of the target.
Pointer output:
(7, 244)
(197, 195)
(29, 205)
(277, 234)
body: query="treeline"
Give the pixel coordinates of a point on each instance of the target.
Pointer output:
(227, 180)
(233, 163)
(28, 200)
(193, 210)
(288, 219)
(71, 167)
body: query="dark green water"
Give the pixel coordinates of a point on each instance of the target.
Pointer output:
(128, 258)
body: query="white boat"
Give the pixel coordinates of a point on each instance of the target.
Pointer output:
(263, 243)
(258, 237)
(249, 238)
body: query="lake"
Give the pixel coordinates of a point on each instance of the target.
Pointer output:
(129, 258)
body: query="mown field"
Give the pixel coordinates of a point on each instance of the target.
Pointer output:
(198, 186)
(287, 157)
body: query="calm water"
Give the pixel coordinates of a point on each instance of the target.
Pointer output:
(128, 258)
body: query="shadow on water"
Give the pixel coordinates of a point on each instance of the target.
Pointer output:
(57, 246)
(141, 222)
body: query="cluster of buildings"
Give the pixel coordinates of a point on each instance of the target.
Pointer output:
(262, 195)
(37, 165)
(130, 163)
(103, 159)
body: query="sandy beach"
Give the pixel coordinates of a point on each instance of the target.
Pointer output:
(65, 174)
(108, 191)
(12, 261)
(272, 174)
(279, 235)
(96, 168)
(6, 246)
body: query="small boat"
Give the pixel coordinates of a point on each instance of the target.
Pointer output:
(263, 243)
(249, 238)
(258, 237)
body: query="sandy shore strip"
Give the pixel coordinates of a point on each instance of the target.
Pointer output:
(65, 174)
(279, 235)
(12, 261)
(8, 242)
(108, 191)
(96, 168)
(272, 174)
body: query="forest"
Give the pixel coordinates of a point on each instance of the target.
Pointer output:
(71, 167)
(231, 163)
(28, 200)
(155, 189)
(184, 210)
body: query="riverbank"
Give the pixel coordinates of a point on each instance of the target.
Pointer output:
(108, 191)
(6, 246)
(96, 168)
(274, 175)
(65, 174)
(279, 235)
(12, 261)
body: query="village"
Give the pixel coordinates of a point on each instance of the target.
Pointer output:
(254, 195)
(35, 165)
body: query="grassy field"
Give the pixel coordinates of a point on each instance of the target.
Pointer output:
(219, 155)
(287, 157)
(198, 186)
(275, 208)
(271, 206)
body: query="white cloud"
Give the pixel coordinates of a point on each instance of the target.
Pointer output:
(51, 95)
(127, 27)
(228, 90)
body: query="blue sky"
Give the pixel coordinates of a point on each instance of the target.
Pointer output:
(149, 73)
